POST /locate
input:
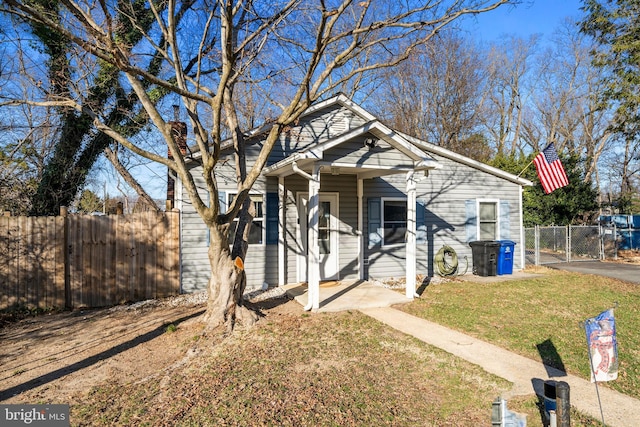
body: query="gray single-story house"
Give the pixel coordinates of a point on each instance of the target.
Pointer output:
(376, 204)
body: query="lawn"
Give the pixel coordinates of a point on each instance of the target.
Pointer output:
(334, 369)
(298, 369)
(541, 318)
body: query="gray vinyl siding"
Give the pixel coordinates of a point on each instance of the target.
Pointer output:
(313, 128)
(261, 263)
(294, 185)
(444, 192)
(194, 242)
(356, 153)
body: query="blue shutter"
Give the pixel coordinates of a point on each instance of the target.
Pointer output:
(505, 224)
(375, 221)
(471, 223)
(421, 225)
(272, 218)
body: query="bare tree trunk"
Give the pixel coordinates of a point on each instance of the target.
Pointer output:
(226, 285)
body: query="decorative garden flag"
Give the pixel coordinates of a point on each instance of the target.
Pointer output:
(603, 346)
(550, 170)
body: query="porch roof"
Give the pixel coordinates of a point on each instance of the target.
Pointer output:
(417, 160)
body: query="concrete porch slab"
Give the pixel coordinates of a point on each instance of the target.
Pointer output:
(348, 295)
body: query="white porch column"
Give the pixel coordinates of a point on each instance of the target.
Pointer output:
(313, 263)
(411, 236)
(361, 233)
(281, 236)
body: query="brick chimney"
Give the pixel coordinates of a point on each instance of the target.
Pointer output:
(179, 133)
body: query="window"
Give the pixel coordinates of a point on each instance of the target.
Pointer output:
(256, 234)
(394, 221)
(488, 220)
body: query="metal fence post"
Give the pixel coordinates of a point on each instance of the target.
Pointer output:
(568, 246)
(615, 241)
(536, 244)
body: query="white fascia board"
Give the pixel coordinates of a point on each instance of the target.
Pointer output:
(382, 132)
(277, 169)
(339, 99)
(440, 151)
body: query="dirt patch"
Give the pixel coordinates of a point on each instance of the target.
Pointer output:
(628, 256)
(51, 358)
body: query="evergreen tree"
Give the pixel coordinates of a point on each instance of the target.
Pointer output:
(572, 204)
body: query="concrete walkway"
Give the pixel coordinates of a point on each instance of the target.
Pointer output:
(527, 375)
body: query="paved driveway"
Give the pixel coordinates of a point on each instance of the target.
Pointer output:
(617, 270)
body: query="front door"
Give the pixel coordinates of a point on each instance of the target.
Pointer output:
(327, 236)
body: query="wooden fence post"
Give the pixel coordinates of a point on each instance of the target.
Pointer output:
(65, 243)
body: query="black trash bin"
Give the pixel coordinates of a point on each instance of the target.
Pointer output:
(485, 257)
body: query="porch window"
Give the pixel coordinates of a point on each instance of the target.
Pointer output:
(256, 234)
(394, 221)
(488, 220)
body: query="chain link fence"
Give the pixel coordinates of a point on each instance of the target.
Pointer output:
(555, 244)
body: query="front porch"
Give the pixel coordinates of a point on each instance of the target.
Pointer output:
(314, 231)
(347, 295)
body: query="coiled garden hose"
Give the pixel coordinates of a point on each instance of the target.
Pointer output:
(447, 261)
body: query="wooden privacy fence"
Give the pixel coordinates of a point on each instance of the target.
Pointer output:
(88, 261)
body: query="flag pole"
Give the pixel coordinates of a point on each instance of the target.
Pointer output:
(525, 168)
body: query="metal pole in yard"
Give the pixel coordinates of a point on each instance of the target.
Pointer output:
(568, 243)
(563, 404)
(615, 241)
(536, 233)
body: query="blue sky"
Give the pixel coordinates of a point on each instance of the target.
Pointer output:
(529, 17)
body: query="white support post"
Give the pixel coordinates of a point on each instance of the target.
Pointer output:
(281, 236)
(411, 236)
(361, 234)
(314, 258)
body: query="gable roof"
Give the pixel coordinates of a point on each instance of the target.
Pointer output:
(418, 159)
(418, 150)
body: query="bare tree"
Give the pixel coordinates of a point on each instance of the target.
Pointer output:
(564, 109)
(503, 109)
(307, 48)
(436, 94)
(26, 131)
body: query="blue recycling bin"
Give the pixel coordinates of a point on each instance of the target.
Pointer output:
(505, 257)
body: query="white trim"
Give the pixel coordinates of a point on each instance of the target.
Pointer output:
(410, 239)
(282, 214)
(497, 203)
(361, 234)
(382, 202)
(263, 218)
(384, 133)
(302, 256)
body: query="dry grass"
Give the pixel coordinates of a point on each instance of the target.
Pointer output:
(294, 369)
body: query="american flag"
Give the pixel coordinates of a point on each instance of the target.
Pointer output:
(550, 171)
